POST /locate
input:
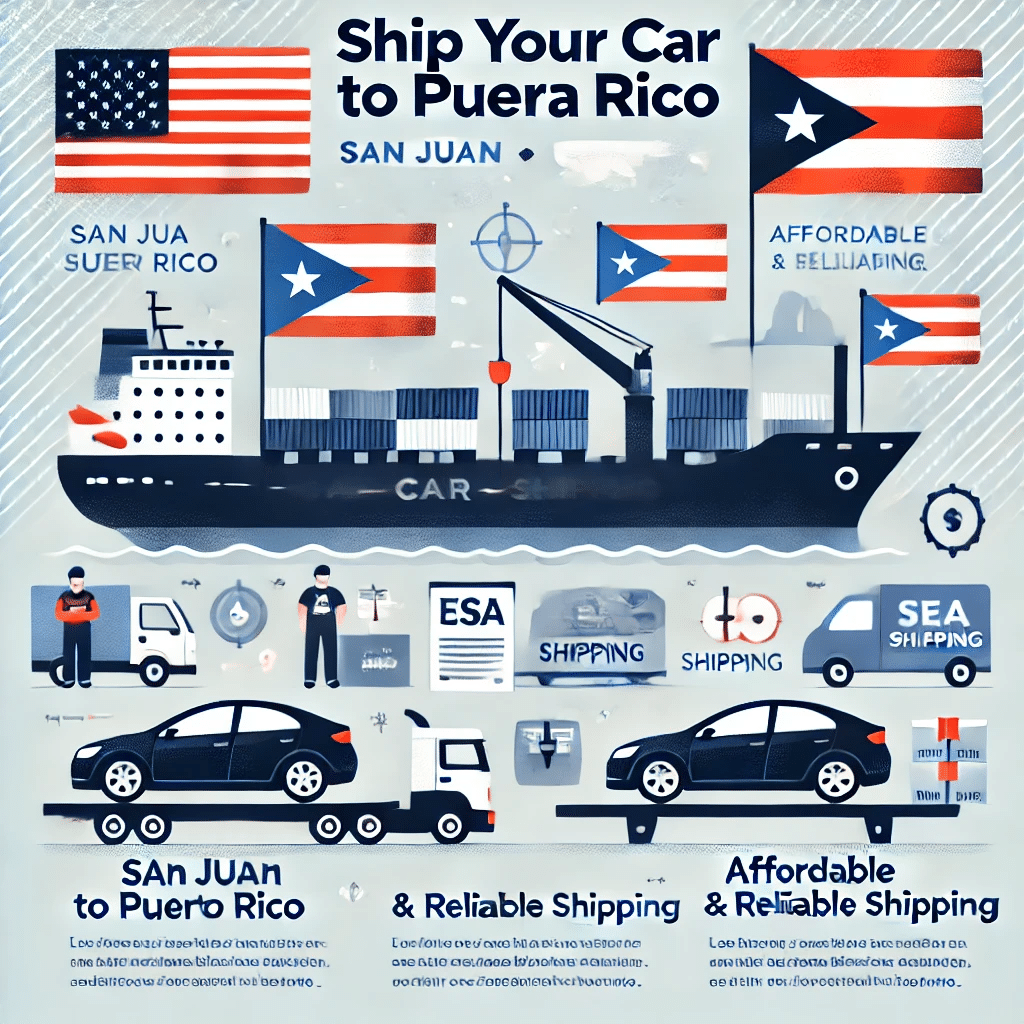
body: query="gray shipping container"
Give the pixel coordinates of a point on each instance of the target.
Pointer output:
(705, 435)
(549, 435)
(707, 403)
(558, 404)
(772, 427)
(360, 435)
(437, 403)
(296, 435)
(351, 404)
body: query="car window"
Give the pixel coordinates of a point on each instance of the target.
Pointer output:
(853, 615)
(801, 720)
(749, 720)
(156, 616)
(463, 754)
(203, 723)
(265, 720)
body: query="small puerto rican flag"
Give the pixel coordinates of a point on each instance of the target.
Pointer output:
(921, 330)
(661, 262)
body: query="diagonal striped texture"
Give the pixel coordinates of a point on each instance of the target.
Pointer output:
(47, 355)
(972, 419)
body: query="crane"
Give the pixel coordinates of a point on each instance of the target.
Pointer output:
(635, 380)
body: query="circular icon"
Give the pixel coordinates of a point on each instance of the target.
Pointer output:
(952, 519)
(238, 614)
(505, 240)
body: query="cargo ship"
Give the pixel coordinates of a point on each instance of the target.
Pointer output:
(157, 449)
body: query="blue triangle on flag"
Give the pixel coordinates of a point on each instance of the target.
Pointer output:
(883, 330)
(284, 300)
(621, 262)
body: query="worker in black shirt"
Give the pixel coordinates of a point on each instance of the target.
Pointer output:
(321, 612)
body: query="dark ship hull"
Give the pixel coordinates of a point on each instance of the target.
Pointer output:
(791, 480)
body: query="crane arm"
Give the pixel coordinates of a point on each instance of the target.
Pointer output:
(619, 371)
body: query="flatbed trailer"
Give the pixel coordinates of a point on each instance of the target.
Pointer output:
(642, 820)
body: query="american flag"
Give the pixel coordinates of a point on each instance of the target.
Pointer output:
(870, 120)
(189, 119)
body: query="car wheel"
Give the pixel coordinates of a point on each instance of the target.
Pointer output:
(836, 780)
(153, 829)
(124, 779)
(661, 779)
(450, 828)
(303, 780)
(112, 828)
(837, 672)
(57, 674)
(960, 672)
(327, 829)
(154, 671)
(545, 680)
(368, 830)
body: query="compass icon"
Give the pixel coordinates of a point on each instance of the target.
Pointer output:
(514, 230)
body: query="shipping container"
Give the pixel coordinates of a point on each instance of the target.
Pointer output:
(782, 405)
(361, 435)
(705, 435)
(296, 404)
(350, 404)
(560, 404)
(773, 427)
(293, 435)
(707, 403)
(549, 435)
(436, 435)
(437, 403)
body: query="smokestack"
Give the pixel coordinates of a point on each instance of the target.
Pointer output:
(840, 387)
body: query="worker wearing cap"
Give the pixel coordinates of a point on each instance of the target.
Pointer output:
(77, 609)
(321, 612)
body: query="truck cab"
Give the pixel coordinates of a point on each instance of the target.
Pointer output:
(161, 638)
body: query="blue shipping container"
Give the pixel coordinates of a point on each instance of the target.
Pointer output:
(437, 403)
(295, 435)
(705, 435)
(350, 404)
(364, 435)
(549, 435)
(707, 403)
(560, 404)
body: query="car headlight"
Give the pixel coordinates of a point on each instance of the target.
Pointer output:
(626, 751)
(89, 751)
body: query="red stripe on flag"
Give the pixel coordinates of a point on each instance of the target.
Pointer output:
(176, 160)
(879, 63)
(893, 180)
(668, 295)
(396, 279)
(358, 327)
(965, 357)
(253, 72)
(961, 301)
(196, 186)
(956, 329)
(238, 115)
(922, 123)
(238, 51)
(363, 234)
(653, 231)
(195, 138)
(254, 94)
(705, 263)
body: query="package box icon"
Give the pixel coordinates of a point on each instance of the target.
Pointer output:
(948, 782)
(950, 739)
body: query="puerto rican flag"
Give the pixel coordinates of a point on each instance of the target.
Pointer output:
(921, 330)
(896, 121)
(349, 280)
(661, 262)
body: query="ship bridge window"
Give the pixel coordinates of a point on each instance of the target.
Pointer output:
(172, 364)
(844, 447)
(197, 364)
(184, 364)
(211, 364)
(143, 364)
(158, 364)
(225, 364)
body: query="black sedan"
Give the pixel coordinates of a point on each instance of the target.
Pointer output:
(232, 744)
(767, 744)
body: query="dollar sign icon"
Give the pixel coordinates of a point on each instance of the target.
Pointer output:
(953, 519)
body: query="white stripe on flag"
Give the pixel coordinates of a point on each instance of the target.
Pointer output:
(377, 304)
(255, 84)
(175, 149)
(179, 171)
(387, 254)
(682, 246)
(899, 153)
(178, 124)
(941, 343)
(901, 92)
(255, 60)
(254, 103)
(939, 314)
(681, 279)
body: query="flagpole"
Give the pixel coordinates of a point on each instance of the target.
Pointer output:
(860, 350)
(263, 335)
(750, 179)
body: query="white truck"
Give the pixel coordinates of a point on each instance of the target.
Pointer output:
(148, 635)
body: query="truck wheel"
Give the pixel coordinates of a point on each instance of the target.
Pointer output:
(837, 672)
(154, 671)
(450, 828)
(368, 830)
(836, 780)
(112, 829)
(153, 829)
(327, 829)
(303, 780)
(545, 680)
(57, 674)
(960, 672)
(124, 779)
